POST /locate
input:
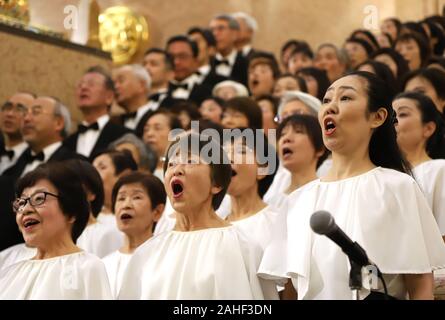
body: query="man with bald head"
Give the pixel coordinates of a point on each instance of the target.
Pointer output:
(132, 83)
(12, 113)
(45, 124)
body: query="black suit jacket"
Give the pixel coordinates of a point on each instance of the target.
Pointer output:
(239, 69)
(9, 232)
(212, 79)
(141, 124)
(110, 133)
(198, 93)
(250, 54)
(61, 154)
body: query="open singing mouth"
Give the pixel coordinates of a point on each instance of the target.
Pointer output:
(177, 188)
(329, 126)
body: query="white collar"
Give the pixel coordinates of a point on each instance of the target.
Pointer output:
(101, 121)
(142, 110)
(19, 148)
(48, 151)
(231, 57)
(246, 49)
(190, 80)
(204, 70)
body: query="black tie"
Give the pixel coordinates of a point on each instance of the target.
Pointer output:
(30, 158)
(82, 128)
(224, 61)
(154, 97)
(8, 153)
(127, 116)
(176, 86)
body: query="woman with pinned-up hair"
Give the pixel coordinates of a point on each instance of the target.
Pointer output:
(371, 198)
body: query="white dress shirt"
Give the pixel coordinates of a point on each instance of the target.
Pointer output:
(5, 162)
(203, 72)
(47, 153)
(190, 81)
(246, 50)
(223, 69)
(154, 104)
(87, 140)
(133, 122)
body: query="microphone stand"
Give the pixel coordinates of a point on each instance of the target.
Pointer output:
(355, 279)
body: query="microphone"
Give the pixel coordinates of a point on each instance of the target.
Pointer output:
(323, 223)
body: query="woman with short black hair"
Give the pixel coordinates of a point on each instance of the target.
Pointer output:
(394, 60)
(420, 136)
(429, 81)
(414, 48)
(317, 81)
(382, 71)
(111, 165)
(242, 112)
(52, 211)
(98, 237)
(138, 203)
(204, 257)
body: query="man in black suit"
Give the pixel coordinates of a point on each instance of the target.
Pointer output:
(132, 83)
(160, 67)
(9, 232)
(248, 27)
(94, 95)
(228, 61)
(11, 121)
(45, 125)
(186, 84)
(207, 49)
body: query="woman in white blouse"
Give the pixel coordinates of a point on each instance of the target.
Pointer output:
(204, 257)
(52, 211)
(138, 200)
(371, 198)
(301, 151)
(98, 238)
(420, 136)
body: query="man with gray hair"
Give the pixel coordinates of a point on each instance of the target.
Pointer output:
(132, 83)
(45, 124)
(248, 28)
(11, 121)
(228, 61)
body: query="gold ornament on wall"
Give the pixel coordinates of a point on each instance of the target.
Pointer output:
(15, 9)
(122, 32)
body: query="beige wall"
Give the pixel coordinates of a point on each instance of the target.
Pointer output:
(43, 68)
(316, 21)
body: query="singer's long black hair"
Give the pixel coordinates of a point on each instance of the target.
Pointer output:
(383, 148)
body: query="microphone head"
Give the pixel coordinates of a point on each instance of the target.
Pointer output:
(322, 222)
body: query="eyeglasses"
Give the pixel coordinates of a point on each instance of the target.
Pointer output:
(16, 108)
(37, 199)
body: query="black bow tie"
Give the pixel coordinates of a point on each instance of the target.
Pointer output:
(127, 116)
(82, 128)
(8, 153)
(223, 61)
(175, 86)
(30, 158)
(155, 97)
